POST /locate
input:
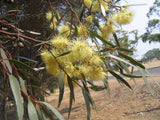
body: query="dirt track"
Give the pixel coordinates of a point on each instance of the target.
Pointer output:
(121, 104)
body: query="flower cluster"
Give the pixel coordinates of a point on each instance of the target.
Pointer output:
(80, 59)
(123, 17)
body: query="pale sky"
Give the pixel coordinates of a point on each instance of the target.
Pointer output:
(140, 23)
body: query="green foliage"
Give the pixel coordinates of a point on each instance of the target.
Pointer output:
(152, 33)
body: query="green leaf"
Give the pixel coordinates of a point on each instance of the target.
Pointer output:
(99, 37)
(32, 111)
(134, 62)
(131, 76)
(22, 84)
(75, 30)
(17, 96)
(61, 87)
(71, 94)
(152, 77)
(47, 112)
(28, 74)
(63, 54)
(22, 65)
(127, 70)
(87, 103)
(124, 49)
(106, 84)
(40, 115)
(96, 88)
(116, 39)
(54, 110)
(119, 78)
(6, 60)
(28, 59)
(145, 79)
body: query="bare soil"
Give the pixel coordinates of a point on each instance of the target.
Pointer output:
(121, 104)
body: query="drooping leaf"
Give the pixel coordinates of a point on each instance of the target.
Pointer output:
(6, 60)
(22, 84)
(32, 113)
(17, 96)
(61, 87)
(27, 59)
(28, 74)
(53, 110)
(96, 88)
(47, 112)
(119, 78)
(116, 39)
(152, 77)
(131, 76)
(124, 49)
(145, 80)
(99, 37)
(75, 30)
(127, 71)
(134, 62)
(22, 65)
(87, 104)
(106, 84)
(120, 59)
(64, 54)
(71, 94)
(39, 112)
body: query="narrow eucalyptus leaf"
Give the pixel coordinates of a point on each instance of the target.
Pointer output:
(22, 65)
(145, 80)
(99, 37)
(17, 96)
(6, 60)
(22, 84)
(53, 110)
(152, 77)
(87, 104)
(71, 94)
(61, 87)
(119, 78)
(40, 115)
(32, 111)
(134, 62)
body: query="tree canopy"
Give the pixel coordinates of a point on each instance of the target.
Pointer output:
(152, 33)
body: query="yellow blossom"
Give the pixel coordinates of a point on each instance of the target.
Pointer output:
(96, 6)
(89, 18)
(60, 42)
(96, 73)
(80, 50)
(65, 30)
(96, 60)
(88, 3)
(82, 31)
(49, 15)
(106, 30)
(51, 26)
(123, 17)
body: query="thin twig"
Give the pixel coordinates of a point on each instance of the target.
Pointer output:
(76, 17)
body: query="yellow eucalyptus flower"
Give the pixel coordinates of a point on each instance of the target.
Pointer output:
(49, 15)
(88, 2)
(123, 17)
(65, 30)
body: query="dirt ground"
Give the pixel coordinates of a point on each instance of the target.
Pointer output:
(121, 104)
